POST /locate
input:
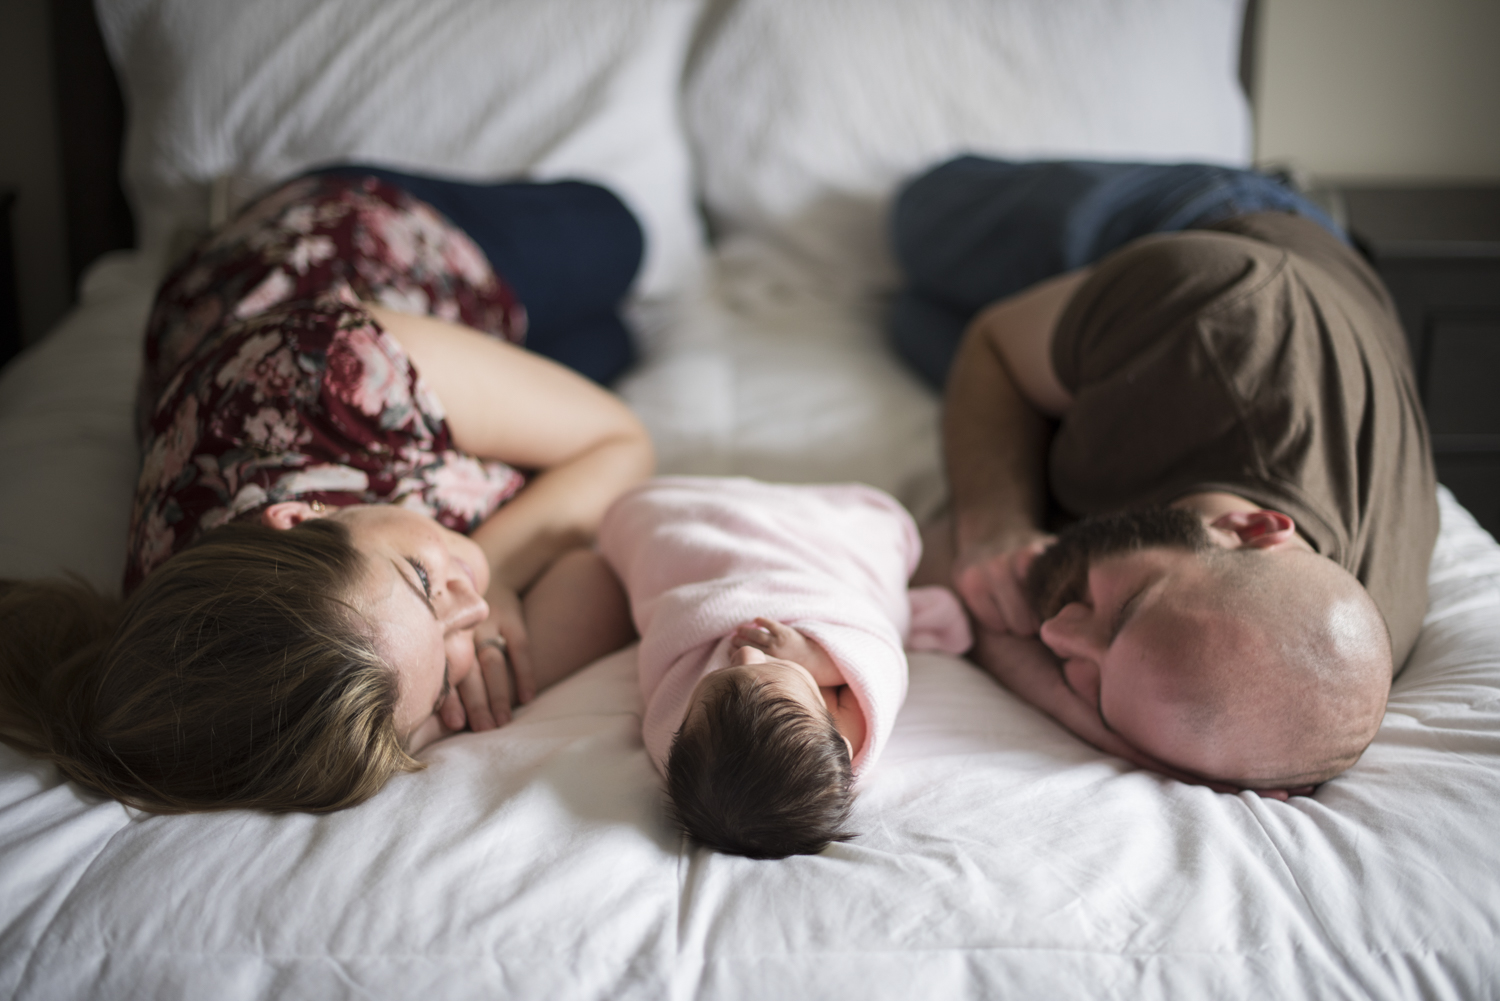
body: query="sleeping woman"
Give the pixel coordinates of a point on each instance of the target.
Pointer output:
(364, 512)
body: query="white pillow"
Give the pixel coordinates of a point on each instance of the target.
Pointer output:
(794, 105)
(258, 90)
(67, 432)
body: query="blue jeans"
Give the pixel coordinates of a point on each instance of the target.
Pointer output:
(975, 230)
(569, 250)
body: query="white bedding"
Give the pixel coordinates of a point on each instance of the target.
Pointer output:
(998, 857)
(250, 93)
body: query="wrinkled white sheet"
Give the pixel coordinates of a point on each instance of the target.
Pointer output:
(999, 856)
(66, 419)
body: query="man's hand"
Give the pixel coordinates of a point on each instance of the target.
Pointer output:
(991, 579)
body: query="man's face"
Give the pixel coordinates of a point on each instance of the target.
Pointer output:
(1120, 599)
(1060, 574)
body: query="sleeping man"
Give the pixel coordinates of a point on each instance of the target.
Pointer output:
(773, 620)
(1195, 363)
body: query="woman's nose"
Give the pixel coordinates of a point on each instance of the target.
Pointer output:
(464, 608)
(1072, 632)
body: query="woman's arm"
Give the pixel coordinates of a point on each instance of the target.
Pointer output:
(508, 404)
(584, 444)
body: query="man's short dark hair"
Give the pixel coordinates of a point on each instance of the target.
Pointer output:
(1060, 574)
(751, 772)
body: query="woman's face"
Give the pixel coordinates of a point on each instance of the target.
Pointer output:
(424, 594)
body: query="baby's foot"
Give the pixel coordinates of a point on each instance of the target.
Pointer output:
(785, 643)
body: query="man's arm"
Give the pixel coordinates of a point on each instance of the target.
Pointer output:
(1001, 389)
(1032, 672)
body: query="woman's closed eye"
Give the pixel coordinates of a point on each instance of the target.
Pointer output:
(423, 578)
(422, 575)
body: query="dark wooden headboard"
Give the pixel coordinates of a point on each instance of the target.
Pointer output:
(91, 131)
(91, 126)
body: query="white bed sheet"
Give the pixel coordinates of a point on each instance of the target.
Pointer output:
(998, 856)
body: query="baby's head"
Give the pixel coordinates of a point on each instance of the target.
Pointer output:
(758, 767)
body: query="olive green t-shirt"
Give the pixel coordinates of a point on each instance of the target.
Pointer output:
(1261, 357)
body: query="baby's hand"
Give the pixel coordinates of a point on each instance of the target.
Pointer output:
(785, 643)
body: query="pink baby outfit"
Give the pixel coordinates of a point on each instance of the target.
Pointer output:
(701, 555)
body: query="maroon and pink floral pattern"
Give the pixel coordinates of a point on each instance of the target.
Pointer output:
(266, 380)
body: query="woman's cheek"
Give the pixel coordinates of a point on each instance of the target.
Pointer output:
(429, 731)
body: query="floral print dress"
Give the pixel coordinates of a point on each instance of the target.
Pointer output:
(266, 380)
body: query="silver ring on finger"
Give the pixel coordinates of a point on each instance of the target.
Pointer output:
(497, 642)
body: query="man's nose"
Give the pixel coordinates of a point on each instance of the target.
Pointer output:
(1072, 632)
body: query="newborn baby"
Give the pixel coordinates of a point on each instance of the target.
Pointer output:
(772, 620)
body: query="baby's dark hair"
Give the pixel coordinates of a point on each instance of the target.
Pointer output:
(753, 773)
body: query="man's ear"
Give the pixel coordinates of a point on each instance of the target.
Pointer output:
(1260, 529)
(288, 514)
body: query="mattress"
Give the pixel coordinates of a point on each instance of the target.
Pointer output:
(997, 854)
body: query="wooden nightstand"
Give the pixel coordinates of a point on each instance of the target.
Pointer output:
(1438, 250)
(10, 303)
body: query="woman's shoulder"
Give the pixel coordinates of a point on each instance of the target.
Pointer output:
(309, 400)
(313, 237)
(233, 418)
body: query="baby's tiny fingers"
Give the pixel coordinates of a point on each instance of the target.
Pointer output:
(747, 634)
(777, 632)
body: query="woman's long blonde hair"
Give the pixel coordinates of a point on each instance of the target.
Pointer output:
(237, 675)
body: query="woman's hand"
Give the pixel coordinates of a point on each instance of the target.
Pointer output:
(504, 673)
(582, 448)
